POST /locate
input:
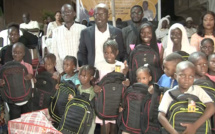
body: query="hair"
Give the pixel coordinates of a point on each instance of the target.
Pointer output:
(138, 6)
(210, 56)
(101, 5)
(110, 42)
(19, 44)
(184, 65)
(72, 59)
(145, 2)
(153, 42)
(68, 5)
(195, 56)
(51, 57)
(144, 69)
(207, 39)
(13, 25)
(93, 72)
(201, 29)
(57, 12)
(175, 57)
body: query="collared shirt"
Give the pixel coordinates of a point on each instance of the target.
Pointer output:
(65, 42)
(167, 82)
(100, 38)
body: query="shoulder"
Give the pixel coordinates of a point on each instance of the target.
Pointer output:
(79, 26)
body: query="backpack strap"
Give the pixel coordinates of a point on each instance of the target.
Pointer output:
(153, 100)
(175, 93)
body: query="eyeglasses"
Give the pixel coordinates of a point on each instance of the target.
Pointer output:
(136, 13)
(67, 13)
(100, 14)
(205, 47)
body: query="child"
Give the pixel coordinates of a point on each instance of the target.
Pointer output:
(207, 46)
(110, 50)
(88, 75)
(18, 52)
(167, 80)
(211, 64)
(185, 72)
(200, 61)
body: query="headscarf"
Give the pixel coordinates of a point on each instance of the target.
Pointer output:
(161, 33)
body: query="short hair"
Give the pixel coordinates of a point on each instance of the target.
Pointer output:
(210, 56)
(175, 57)
(184, 65)
(195, 56)
(101, 5)
(68, 5)
(51, 57)
(138, 6)
(143, 69)
(72, 59)
(207, 39)
(13, 25)
(110, 42)
(19, 44)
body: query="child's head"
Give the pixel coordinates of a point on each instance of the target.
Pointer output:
(110, 50)
(170, 63)
(143, 75)
(18, 51)
(50, 62)
(13, 33)
(185, 73)
(211, 63)
(69, 64)
(88, 75)
(207, 46)
(200, 61)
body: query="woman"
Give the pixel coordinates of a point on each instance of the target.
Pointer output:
(163, 28)
(206, 29)
(177, 40)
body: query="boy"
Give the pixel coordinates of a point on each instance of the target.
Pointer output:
(167, 80)
(211, 65)
(185, 72)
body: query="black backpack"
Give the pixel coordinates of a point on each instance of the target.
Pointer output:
(60, 99)
(16, 89)
(149, 112)
(129, 119)
(178, 111)
(184, 54)
(78, 116)
(143, 54)
(44, 89)
(108, 100)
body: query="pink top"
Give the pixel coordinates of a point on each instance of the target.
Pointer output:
(28, 66)
(211, 77)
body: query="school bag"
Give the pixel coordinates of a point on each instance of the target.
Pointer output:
(184, 54)
(60, 99)
(149, 112)
(16, 89)
(108, 100)
(44, 89)
(78, 116)
(178, 111)
(129, 119)
(144, 54)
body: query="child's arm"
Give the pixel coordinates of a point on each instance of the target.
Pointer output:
(97, 89)
(2, 82)
(191, 128)
(125, 70)
(165, 123)
(28, 76)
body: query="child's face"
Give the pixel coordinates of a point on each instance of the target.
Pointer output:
(185, 78)
(13, 35)
(146, 35)
(169, 68)
(85, 77)
(68, 66)
(207, 48)
(109, 55)
(176, 36)
(49, 65)
(144, 77)
(201, 66)
(18, 53)
(211, 63)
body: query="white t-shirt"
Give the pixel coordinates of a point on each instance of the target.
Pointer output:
(194, 90)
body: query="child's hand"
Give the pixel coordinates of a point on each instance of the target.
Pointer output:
(190, 128)
(125, 70)
(151, 89)
(126, 82)
(2, 82)
(57, 86)
(120, 109)
(28, 77)
(70, 97)
(55, 77)
(35, 80)
(97, 89)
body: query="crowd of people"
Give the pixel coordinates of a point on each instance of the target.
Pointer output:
(85, 54)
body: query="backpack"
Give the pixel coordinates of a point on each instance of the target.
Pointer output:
(44, 89)
(149, 112)
(129, 119)
(184, 55)
(16, 89)
(178, 111)
(78, 116)
(143, 54)
(60, 99)
(108, 100)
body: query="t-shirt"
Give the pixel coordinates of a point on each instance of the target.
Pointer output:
(212, 77)
(166, 81)
(194, 90)
(74, 78)
(88, 91)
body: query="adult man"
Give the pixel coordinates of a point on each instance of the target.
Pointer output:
(65, 39)
(29, 25)
(148, 14)
(190, 27)
(92, 38)
(131, 32)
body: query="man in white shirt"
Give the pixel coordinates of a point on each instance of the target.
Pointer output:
(148, 14)
(65, 39)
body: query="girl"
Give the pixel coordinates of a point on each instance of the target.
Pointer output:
(88, 75)
(207, 46)
(177, 40)
(211, 64)
(163, 28)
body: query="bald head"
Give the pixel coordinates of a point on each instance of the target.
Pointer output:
(194, 57)
(184, 65)
(26, 18)
(67, 6)
(20, 45)
(102, 6)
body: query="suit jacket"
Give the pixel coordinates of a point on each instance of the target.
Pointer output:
(86, 52)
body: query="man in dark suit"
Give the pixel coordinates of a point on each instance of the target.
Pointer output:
(92, 39)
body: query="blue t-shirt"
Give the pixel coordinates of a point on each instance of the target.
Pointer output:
(74, 78)
(167, 82)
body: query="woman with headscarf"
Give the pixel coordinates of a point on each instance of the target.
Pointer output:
(162, 29)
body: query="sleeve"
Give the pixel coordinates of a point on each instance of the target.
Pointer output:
(121, 46)
(82, 50)
(195, 41)
(36, 25)
(165, 102)
(49, 29)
